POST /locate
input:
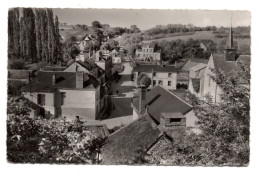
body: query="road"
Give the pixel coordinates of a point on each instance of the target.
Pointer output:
(123, 113)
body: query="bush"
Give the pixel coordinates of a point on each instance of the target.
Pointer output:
(17, 64)
(143, 80)
(15, 86)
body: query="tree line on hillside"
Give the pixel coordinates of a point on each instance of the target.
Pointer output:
(33, 36)
(170, 30)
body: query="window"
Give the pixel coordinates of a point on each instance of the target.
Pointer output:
(41, 99)
(154, 82)
(209, 80)
(160, 82)
(154, 74)
(63, 97)
(175, 120)
(169, 74)
(169, 83)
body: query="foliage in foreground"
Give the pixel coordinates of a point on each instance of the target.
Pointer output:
(224, 136)
(48, 141)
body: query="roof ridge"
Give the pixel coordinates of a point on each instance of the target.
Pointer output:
(175, 96)
(125, 126)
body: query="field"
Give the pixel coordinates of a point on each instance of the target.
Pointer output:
(73, 32)
(203, 35)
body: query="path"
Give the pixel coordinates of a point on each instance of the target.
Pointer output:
(123, 113)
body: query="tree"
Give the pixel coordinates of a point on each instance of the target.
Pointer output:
(224, 136)
(38, 140)
(110, 45)
(143, 80)
(29, 35)
(245, 49)
(96, 24)
(57, 54)
(38, 34)
(13, 33)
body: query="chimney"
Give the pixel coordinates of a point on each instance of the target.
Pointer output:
(142, 98)
(53, 79)
(79, 79)
(146, 109)
(29, 77)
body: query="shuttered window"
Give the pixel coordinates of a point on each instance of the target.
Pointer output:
(41, 99)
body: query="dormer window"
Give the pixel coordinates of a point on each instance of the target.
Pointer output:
(175, 120)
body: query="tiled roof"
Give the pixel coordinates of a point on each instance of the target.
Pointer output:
(123, 145)
(89, 65)
(154, 68)
(43, 81)
(198, 67)
(220, 62)
(160, 100)
(193, 62)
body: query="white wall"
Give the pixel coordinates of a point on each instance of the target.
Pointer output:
(210, 86)
(49, 100)
(163, 77)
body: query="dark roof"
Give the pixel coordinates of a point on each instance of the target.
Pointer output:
(43, 81)
(123, 145)
(154, 68)
(87, 64)
(160, 100)
(220, 62)
(51, 68)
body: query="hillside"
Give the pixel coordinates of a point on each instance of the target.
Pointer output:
(204, 35)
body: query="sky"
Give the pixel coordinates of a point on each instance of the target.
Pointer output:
(146, 19)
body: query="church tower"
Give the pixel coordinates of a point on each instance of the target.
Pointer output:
(230, 51)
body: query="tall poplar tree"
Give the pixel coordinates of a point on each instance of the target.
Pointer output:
(38, 34)
(29, 27)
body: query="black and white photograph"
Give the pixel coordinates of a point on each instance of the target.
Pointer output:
(114, 86)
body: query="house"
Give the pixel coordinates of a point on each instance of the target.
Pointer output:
(227, 63)
(203, 46)
(105, 62)
(116, 56)
(20, 75)
(164, 75)
(159, 100)
(87, 66)
(67, 94)
(148, 53)
(161, 118)
(83, 44)
(183, 77)
(142, 135)
(196, 79)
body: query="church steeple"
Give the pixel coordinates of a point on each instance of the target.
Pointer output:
(230, 51)
(230, 44)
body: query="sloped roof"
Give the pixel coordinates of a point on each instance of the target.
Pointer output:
(220, 62)
(123, 145)
(198, 67)
(89, 65)
(193, 62)
(160, 100)
(43, 81)
(154, 68)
